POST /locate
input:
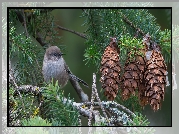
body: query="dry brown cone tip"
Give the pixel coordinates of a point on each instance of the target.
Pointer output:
(110, 70)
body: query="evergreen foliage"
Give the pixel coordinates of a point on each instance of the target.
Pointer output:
(21, 106)
(134, 106)
(58, 112)
(139, 120)
(125, 24)
(128, 25)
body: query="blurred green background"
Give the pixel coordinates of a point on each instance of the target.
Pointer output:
(73, 46)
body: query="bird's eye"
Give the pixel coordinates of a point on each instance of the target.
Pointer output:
(56, 54)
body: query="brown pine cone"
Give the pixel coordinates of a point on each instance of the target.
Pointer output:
(110, 70)
(133, 75)
(155, 79)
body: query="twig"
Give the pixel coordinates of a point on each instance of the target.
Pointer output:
(79, 119)
(108, 113)
(110, 104)
(11, 78)
(132, 25)
(29, 89)
(93, 96)
(92, 102)
(72, 31)
(124, 108)
(29, 16)
(22, 19)
(93, 24)
(97, 97)
(83, 111)
(40, 39)
(25, 25)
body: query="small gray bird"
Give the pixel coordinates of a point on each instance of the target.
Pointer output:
(54, 66)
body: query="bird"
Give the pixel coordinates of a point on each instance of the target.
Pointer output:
(55, 67)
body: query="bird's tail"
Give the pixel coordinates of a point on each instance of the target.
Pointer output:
(79, 80)
(72, 76)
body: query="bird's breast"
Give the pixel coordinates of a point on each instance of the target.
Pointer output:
(55, 70)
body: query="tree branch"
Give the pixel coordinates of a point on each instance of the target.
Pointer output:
(40, 39)
(132, 25)
(25, 24)
(21, 17)
(97, 96)
(72, 31)
(117, 118)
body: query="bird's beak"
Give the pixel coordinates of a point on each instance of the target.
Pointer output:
(62, 54)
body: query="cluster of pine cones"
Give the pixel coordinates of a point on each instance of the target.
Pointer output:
(145, 74)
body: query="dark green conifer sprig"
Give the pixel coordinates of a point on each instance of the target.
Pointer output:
(139, 120)
(105, 23)
(55, 110)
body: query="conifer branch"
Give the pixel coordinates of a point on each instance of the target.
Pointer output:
(72, 31)
(132, 25)
(92, 114)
